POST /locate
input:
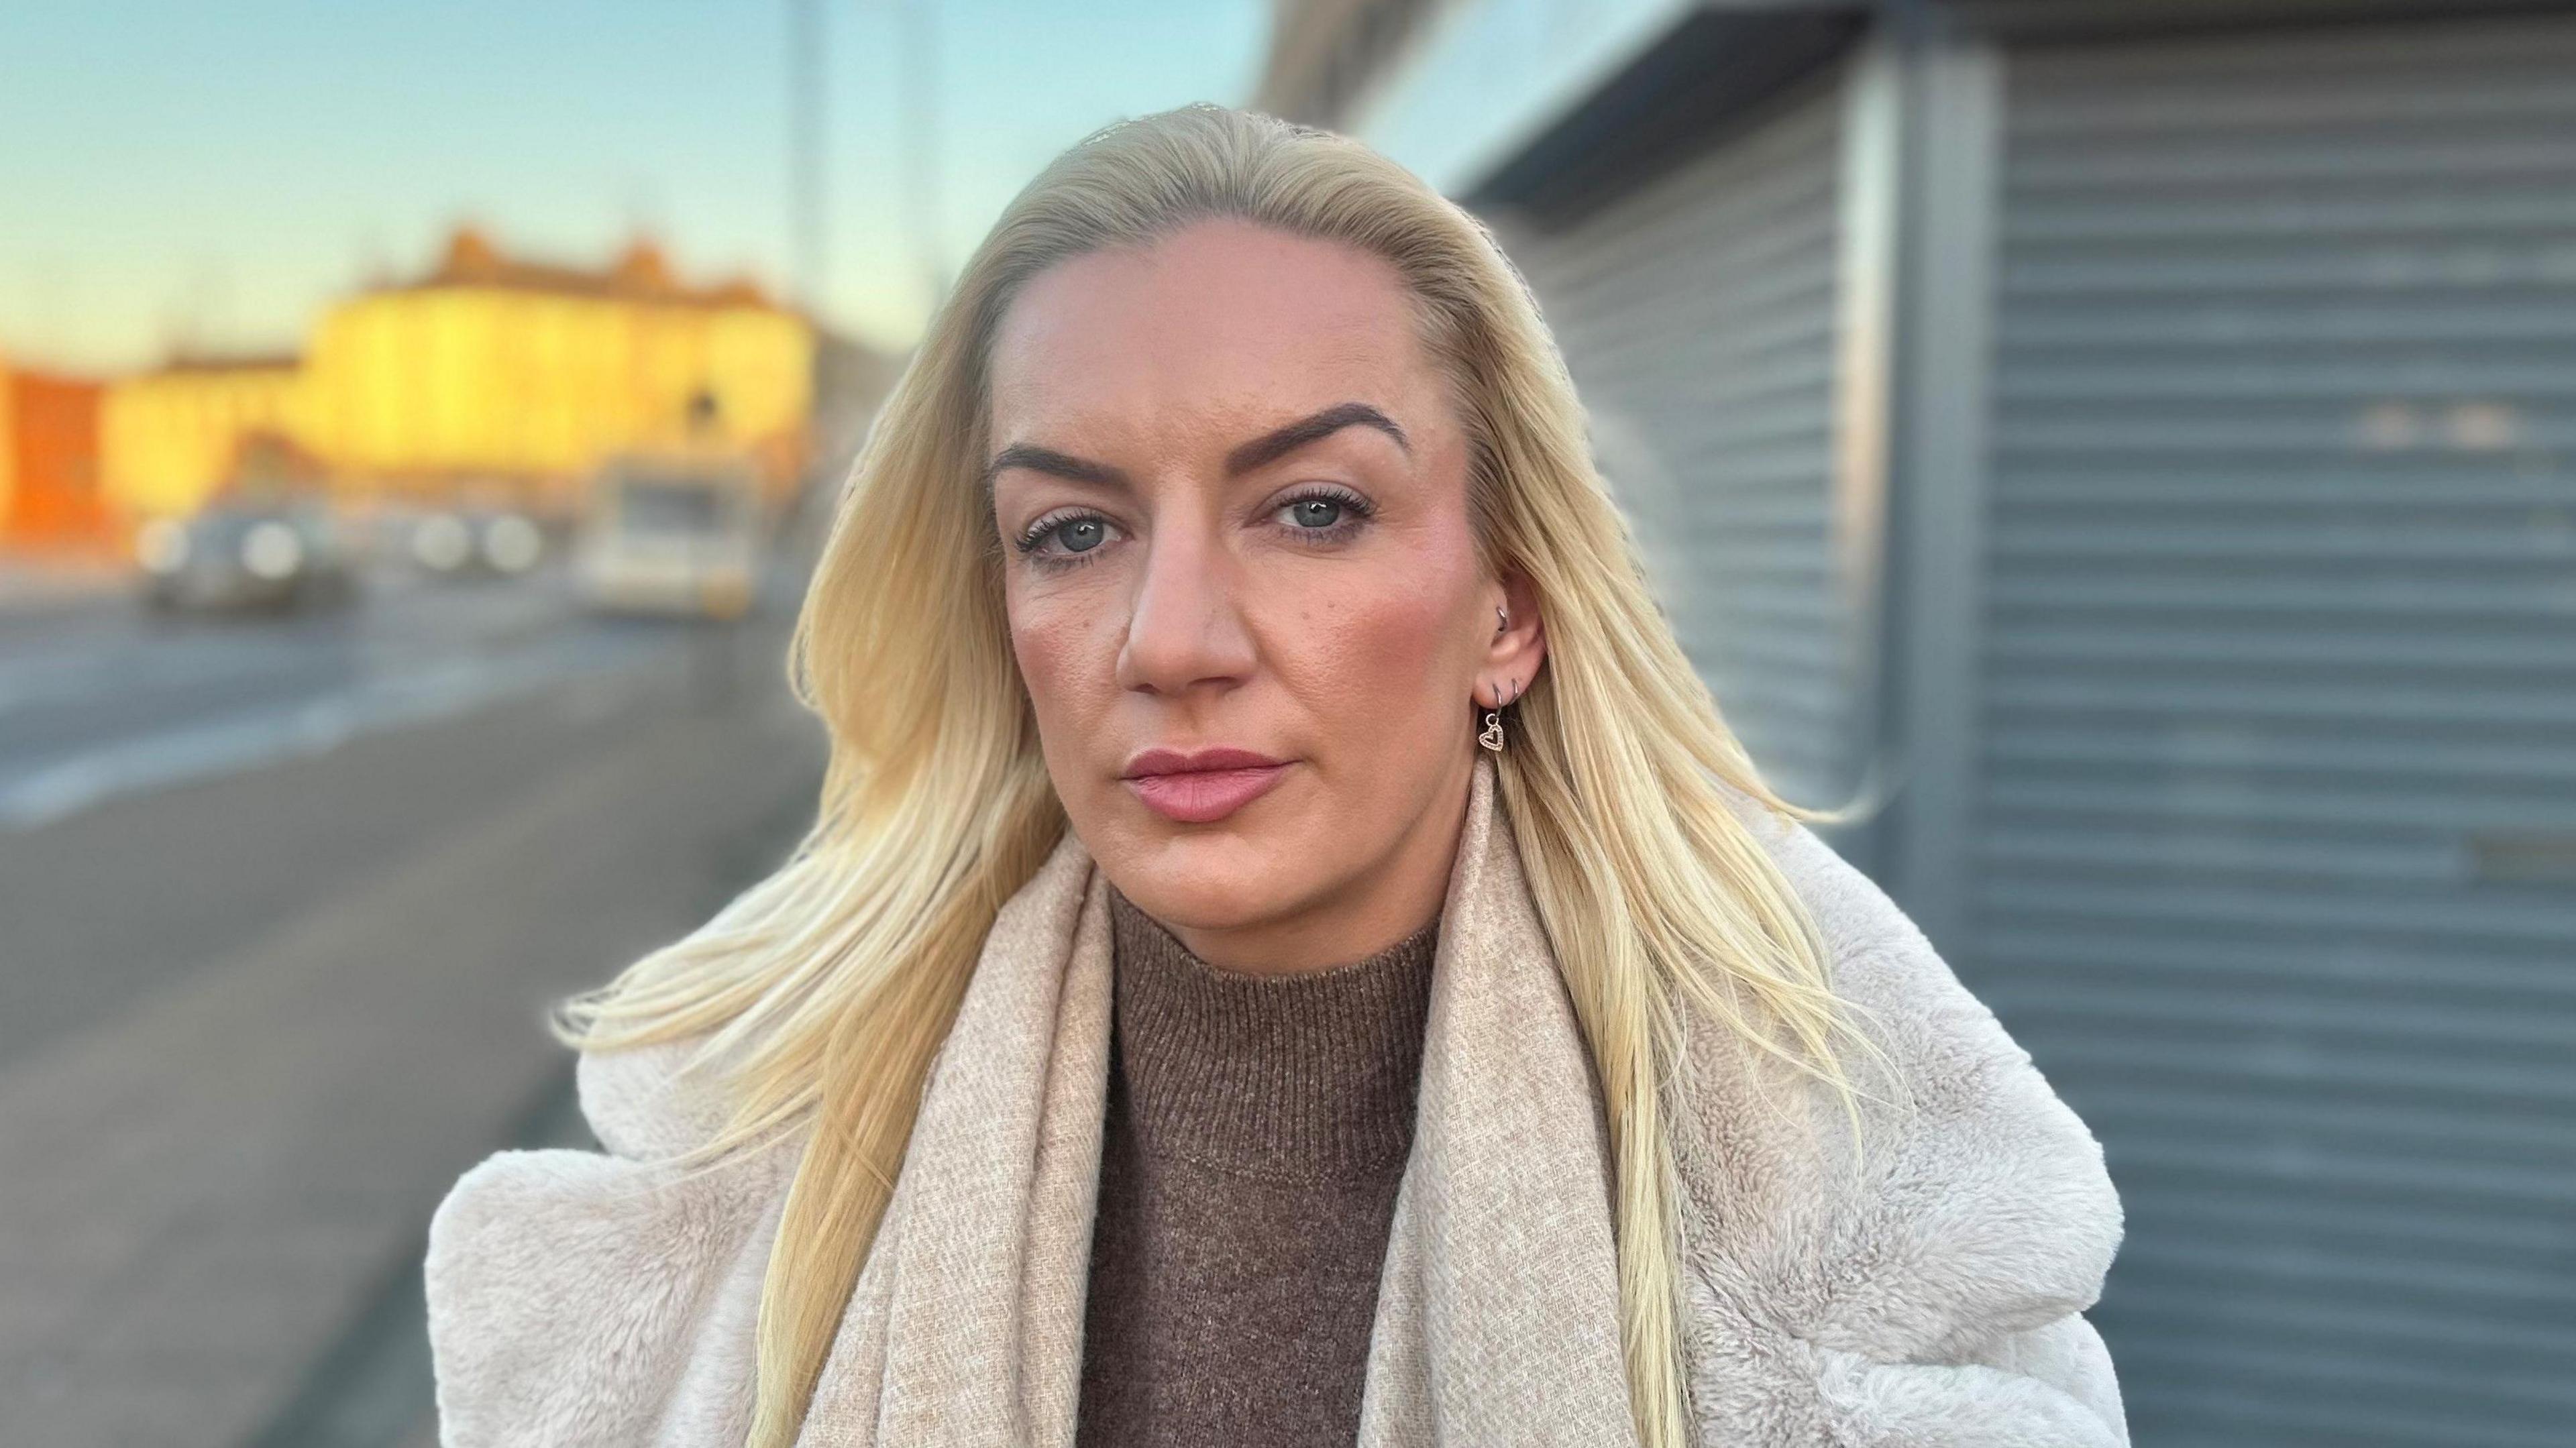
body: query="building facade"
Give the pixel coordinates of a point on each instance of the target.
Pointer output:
(50, 496)
(2128, 451)
(494, 367)
(493, 375)
(168, 438)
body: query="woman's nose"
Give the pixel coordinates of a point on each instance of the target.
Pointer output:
(1185, 625)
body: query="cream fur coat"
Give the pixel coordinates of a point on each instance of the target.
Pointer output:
(1924, 1292)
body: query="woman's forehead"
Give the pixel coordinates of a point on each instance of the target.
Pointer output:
(1220, 321)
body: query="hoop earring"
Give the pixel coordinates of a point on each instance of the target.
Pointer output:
(1492, 735)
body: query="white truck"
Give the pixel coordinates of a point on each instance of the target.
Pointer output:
(677, 534)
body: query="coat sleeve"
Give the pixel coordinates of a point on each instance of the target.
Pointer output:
(560, 1285)
(2068, 1355)
(1923, 1285)
(598, 1298)
(2049, 1386)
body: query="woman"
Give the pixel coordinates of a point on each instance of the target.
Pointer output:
(1289, 952)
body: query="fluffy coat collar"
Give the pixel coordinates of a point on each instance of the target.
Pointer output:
(1921, 1287)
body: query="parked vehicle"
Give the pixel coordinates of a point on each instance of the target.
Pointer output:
(272, 555)
(672, 535)
(477, 542)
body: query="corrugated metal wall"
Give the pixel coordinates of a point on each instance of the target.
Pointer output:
(2276, 859)
(1698, 315)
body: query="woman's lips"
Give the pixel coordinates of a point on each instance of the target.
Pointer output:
(1204, 787)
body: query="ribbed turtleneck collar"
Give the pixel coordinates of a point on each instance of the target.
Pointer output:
(1300, 1077)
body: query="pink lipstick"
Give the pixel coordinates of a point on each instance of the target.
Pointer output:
(1201, 786)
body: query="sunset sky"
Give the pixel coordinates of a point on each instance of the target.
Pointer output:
(208, 175)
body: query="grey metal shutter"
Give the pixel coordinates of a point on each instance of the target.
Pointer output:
(1697, 314)
(2276, 854)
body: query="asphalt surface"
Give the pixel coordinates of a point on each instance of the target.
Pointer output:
(282, 903)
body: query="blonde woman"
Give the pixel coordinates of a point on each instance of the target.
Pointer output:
(1288, 952)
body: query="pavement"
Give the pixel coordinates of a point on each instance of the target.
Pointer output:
(285, 904)
(38, 581)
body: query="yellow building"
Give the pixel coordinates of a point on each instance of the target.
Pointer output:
(490, 375)
(507, 371)
(168, 438)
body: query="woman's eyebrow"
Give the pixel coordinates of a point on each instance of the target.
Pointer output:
(1279, 442)
(1269, 447)
(1048, 460)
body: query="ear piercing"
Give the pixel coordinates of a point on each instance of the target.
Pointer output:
(1491, 736)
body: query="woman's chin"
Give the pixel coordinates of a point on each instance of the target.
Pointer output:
(1222, 879)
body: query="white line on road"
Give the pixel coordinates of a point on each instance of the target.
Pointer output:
(267, 736)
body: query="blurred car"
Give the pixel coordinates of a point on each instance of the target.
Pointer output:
(672, 536)
(487, 542)
(244, 556)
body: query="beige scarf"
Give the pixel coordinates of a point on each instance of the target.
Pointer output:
(1929, 1294)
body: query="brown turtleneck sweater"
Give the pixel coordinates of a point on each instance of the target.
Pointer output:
(1257, 1129)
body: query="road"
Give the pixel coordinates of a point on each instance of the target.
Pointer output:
(281, 905)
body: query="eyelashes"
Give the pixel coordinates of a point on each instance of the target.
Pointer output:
(1324, 514)
(1034, 537)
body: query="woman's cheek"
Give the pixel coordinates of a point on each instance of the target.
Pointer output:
(1047, 640)
(1374, 658)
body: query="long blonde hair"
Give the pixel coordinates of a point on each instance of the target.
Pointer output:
(828, 986)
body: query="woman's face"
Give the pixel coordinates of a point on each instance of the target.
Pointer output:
(1244, 589)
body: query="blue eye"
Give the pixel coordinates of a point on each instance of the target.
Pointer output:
(1323, 515)
(1063, 538)
(1079, 535)
(1315, 512)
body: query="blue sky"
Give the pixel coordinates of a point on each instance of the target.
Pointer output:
(211, 173)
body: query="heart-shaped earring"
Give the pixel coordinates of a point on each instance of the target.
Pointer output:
(1491, 736)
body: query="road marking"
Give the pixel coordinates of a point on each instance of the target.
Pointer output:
(261, 737)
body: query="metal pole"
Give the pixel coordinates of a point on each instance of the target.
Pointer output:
(920, 89)
(805, 164)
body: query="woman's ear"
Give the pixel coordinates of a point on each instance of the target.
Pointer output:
(1518, 648)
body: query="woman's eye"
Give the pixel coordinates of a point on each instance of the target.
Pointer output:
(1064, 538)
(1314, 512)
(1079, 535)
